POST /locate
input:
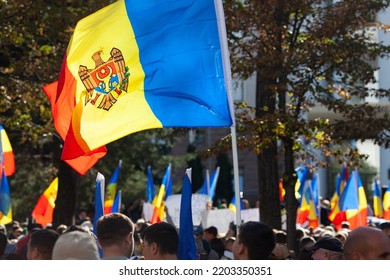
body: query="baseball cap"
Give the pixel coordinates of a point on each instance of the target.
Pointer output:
(198, 229)
(327, 243)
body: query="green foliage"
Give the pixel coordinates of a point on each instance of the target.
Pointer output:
(309, 54)
(306, 55)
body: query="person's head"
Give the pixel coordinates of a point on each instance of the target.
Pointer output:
(306, 242)
(300, 233)
(326, 248)
(281, 252)
(367, 243)
(40, 246)
(342, 236)
(161, 241)
(345, 225)
(210, 233)
(385, 227)
(115, 234)
(198, 231)
(281, 236)
(218, 246)
(255, 241)
(61, 228)
(75, 245)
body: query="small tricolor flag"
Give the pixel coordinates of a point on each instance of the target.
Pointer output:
(377, 200)
(8, 159)
(43, 210)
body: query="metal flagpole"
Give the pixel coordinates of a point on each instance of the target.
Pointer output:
(228, 81)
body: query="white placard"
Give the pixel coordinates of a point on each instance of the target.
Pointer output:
(198, 205)
(220, 218)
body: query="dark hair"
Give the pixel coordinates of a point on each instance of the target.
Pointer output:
(281, 237)
(218, 246)
(113, 228)
(384, 225)
(3, 242)
(164, 235)
(259, 239)
(43, 240)
(212, 230)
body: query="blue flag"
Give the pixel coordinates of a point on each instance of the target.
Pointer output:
(99, 199)
(150, 192)
(210, 184)
(116, 206)
(187, 247)
(205, 189)
(168, 182)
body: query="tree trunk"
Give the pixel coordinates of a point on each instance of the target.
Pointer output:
(289, 180)
(268, 188)
(68, 180)
(268, 159)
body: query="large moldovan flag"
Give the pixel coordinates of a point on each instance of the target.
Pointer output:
(137, 65)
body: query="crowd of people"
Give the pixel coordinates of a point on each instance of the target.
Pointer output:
(117, 237)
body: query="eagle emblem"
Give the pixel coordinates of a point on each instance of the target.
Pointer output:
(105, 83)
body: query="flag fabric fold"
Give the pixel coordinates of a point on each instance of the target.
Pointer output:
(137, 65)
(6, 151)
(43, 210)
(5, 200)
(110, 192)
(187, 246)
(62, 106)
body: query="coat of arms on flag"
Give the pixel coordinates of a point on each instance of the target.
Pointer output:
(108, 79)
